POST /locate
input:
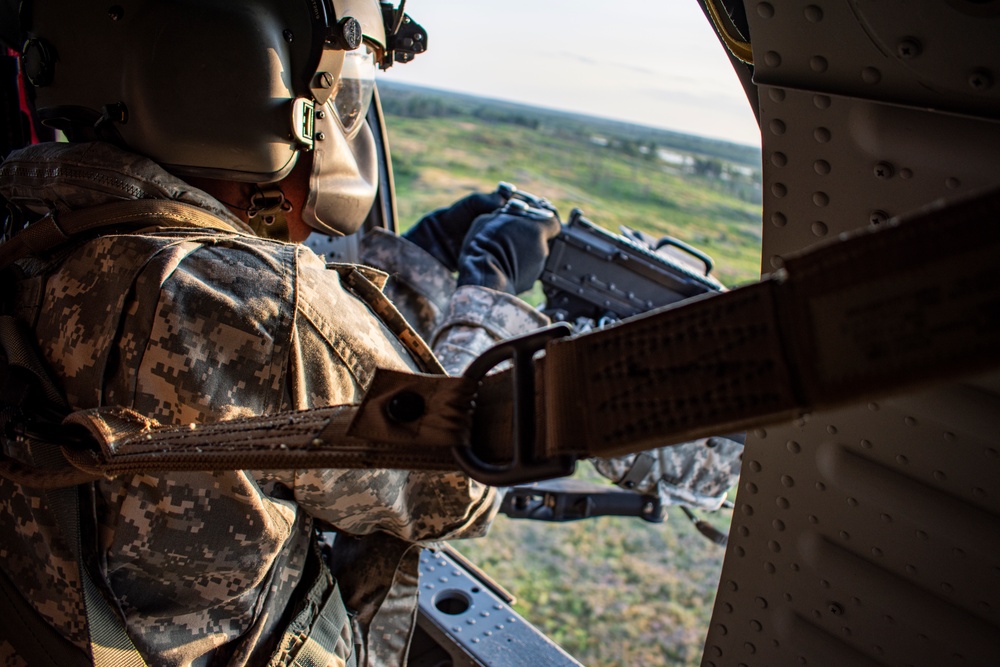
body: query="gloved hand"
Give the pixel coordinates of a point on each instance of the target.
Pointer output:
(442, 232)
(506, 251)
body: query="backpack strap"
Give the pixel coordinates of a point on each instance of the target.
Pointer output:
(56, 229)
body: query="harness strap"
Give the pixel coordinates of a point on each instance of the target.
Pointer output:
(320, 633)
(27, 386)
(33, 639)
(822, 332)
(110, 645)
(882, 311)
(330, 640)
(56, 229)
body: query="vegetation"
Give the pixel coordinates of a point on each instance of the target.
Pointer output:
(704, 192)
(612, 591)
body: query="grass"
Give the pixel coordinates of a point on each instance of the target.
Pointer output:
(438, 160)
(612, 591)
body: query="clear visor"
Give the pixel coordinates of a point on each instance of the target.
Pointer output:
(354, 90)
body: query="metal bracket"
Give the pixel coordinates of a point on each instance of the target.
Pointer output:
(574, 499)
(464, 621)
(304, 121)
(524, 466)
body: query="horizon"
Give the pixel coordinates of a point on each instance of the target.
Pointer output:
(383, 84)
(645, 62)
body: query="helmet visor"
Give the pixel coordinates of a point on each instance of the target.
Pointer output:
(354, 90)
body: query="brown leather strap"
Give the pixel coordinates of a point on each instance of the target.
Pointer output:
(876, 313)
(55, 229)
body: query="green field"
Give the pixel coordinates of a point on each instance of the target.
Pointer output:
(612, 591)
(444, 152)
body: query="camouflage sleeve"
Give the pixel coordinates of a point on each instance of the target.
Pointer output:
(419, 286)
(697, 474)
(415, 506)
(461, 323)
(478, 318)
(458, 322)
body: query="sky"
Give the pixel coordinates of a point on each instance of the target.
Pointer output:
(652, 62)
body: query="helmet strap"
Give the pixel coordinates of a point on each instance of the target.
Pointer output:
(267, 212)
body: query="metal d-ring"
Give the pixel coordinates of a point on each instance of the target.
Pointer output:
(524, 465)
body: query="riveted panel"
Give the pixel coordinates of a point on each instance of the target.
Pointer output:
(869, 535)
(834, 164)
(939, 55)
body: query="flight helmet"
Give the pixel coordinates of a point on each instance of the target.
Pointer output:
(236, 90)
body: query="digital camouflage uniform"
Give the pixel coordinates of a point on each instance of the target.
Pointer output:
(200, 326)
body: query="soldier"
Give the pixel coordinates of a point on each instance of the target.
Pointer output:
(231, 129)
(208, 107)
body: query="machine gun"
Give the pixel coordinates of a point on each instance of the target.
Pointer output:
(592, 274)
(593, 277)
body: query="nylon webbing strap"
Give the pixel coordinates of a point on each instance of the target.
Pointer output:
(883, 311)
(110, 644)
(360, 436)
(320, 633)
(880, 312)
(54, 230)
(328, 640)
(32, 638)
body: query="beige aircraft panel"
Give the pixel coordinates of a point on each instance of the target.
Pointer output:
(869, 535)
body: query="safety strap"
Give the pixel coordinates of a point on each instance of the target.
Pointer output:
(882, 311)
(27, 387)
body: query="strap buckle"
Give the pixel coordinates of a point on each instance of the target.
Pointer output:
(524, 465)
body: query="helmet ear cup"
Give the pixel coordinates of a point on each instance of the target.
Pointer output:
(205, 87)
(344, 179)
(217, 82)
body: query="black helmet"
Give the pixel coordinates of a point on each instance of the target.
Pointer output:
(227, 89)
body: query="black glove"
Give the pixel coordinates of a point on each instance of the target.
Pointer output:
(506, 251)
(442, 232)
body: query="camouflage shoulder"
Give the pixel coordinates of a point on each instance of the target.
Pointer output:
(418, 285)
(696, 474)
(62, 176)
(502, 315)
(478, 318)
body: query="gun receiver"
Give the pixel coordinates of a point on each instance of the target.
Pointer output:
(594, 274)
